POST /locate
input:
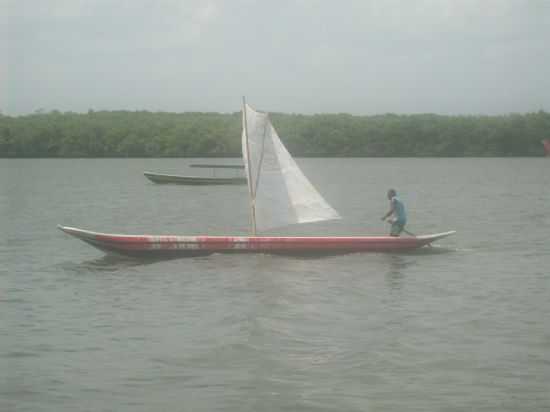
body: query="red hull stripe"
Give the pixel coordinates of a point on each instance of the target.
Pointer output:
(149, 243)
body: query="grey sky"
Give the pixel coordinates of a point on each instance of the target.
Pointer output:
(302, 56)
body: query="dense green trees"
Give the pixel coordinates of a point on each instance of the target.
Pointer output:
(147, 134)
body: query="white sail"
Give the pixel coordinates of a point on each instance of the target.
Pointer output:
(280, 193)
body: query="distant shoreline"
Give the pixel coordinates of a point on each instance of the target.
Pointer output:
(124, 134)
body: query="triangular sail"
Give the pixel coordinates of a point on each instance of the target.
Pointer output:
(280, 193)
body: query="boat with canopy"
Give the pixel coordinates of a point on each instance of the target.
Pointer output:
(279, 194)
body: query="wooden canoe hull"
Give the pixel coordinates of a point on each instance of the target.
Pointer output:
(193, 180)
(165, 245)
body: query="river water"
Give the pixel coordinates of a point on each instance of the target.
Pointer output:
(461, 326)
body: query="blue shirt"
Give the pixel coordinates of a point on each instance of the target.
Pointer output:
(399, 210)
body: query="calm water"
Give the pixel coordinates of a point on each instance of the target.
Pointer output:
(462, 326)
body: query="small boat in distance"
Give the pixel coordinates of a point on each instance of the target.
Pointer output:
(162, 178)
(546, 145)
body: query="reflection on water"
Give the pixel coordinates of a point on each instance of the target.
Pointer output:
(115, 260)
(396, 270)
(106, 263)
(400, 263)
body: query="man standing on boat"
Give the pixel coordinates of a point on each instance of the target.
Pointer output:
(398, 218)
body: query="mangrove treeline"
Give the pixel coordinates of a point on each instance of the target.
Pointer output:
(148, 134)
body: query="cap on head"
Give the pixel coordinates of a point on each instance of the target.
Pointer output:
(391, 193)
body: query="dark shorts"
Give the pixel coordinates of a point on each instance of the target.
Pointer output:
(397, 228)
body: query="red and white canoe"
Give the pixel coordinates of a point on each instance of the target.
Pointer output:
(157, 246)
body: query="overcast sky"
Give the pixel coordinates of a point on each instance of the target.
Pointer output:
(294, 56)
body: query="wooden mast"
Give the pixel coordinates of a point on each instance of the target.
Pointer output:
(249, 176)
